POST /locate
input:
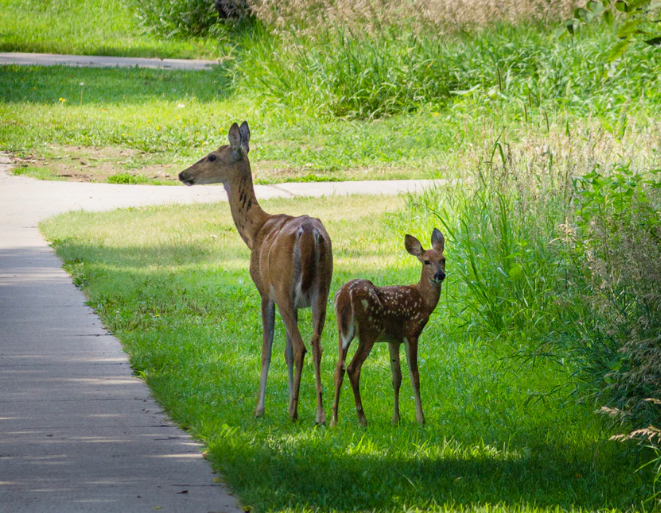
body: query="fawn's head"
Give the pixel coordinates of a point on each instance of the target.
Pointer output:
(225, 163)
(433, 261)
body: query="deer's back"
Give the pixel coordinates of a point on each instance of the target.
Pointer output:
(389, 313)
(292, 256)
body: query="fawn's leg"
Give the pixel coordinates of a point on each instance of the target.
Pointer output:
(366, 341)
(268, 322)
(339, 375)
(396, 377)
(411, 346)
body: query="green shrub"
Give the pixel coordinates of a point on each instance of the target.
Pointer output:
(618, 241)
(338, 72)
(176, 17)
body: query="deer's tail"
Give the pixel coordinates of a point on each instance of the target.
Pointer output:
(312, 249)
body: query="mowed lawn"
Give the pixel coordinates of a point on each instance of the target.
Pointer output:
(172, 283)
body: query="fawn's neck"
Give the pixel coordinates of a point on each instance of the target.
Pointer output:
(429, 291)
(247, 214)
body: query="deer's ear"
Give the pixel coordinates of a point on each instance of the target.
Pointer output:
(437, 240)
(245, 136)
(413, 245)
(234, 137)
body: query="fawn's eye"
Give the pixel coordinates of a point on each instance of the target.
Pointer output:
(427, 262)
(212, 158)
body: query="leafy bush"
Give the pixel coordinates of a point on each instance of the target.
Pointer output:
(619, 242)
(176, 17)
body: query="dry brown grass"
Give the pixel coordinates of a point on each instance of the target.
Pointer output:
(445, 15)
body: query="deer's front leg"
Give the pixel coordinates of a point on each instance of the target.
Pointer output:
(411, 345)
(396, 369)
(289, 317)
(268, 322)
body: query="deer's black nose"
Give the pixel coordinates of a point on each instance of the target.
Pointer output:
(439, 276)
(185, 177)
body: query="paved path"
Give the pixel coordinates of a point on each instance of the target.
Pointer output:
(77, 431)
(49, 59)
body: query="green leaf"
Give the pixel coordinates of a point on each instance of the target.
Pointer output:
(621, 6)
(618, 49)
(608, 17)
(630, 27)
(636, 4)
(580, 13)
(655, 41)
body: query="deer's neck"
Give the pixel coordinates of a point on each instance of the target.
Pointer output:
(247, 214)
(430, 292)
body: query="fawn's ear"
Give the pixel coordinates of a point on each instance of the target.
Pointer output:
(245, 136)
(437, 240)
(234, 137)
(413, 245)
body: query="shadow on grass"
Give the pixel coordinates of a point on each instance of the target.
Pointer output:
(46, 85)
(314, 476)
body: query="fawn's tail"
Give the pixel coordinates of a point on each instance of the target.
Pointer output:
(344, 314)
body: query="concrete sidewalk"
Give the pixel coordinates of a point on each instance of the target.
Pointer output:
(49, 59)
(77, 431)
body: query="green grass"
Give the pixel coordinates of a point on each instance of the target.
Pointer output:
(172, 283)
(89, 27)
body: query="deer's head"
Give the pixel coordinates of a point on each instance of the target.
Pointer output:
(225, 163)
(432, 260)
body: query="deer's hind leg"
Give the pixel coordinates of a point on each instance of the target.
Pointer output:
(289, 357)
(318, 321)
(366, 342)
(289, 316)
(268, 323)
(343, 349)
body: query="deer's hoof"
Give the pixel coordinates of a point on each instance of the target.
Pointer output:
(333, 422)
(259, 412)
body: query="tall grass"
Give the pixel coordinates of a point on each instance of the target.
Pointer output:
(342, 72)
(562, 264)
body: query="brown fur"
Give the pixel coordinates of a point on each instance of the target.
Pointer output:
(291, 260)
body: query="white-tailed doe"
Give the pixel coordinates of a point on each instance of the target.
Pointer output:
(388, 314)
(291, 261)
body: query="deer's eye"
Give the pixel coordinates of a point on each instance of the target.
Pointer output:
(427, 262)
(212, 158)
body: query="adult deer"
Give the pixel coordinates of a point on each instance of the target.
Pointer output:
(388, 314)
(291, 261)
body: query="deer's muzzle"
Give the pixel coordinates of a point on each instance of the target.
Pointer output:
(186, 178)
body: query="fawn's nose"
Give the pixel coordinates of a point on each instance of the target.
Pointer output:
(439, 276)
